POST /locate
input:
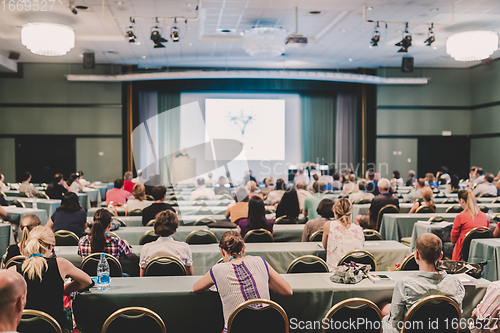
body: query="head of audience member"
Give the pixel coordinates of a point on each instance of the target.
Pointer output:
(396, 174)
(315, 177)
(370, 175)
(2, 177)
(420, 183)
(429, 177)
(342, 210)
(270, 181)
(166, 223)
(289, 203)
(362, 184)
(228, 175)
(128, 175)
(231, 245)
(80, 174)
(210, 175)
(252, 186)
(454, 182)
(489, 178)
(101, 225)
(426, 194)
(318, 187)
(13, 294)
(428, 250)
(300, 185)
(411, 174)
(325, 208)
(41, 241)
(443, 169)
(300, 172)
(468, 202)
(351, 177)
(280, 185)
(72, 178)
(158, 193)
(118, 183)
(241, 195)
(26, 177)
(256, 213)
(58, 179)
(69, 203)
(336, 176)
(28, 222)
(201, 182)
(472, 172)
(384, 185)
(221, 181)
(479, 171)
(139, 192)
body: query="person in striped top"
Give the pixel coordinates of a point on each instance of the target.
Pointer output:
(238, 278)
(486, 316)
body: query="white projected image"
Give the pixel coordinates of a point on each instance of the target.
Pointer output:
(258, 123)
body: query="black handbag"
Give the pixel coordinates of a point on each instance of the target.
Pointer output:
(458, 267)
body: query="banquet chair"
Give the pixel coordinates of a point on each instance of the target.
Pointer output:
(409, 264)
(43, 195)
(38, 321)
(350, 310)
(134, 319)
(317, 236)
(226, 196)
(252, 316)
(497, 200)
(122, 223)
(204, 221)
(425, 209)
(151, 223)
(66, 238)
(487, 195)
(483, 208)
(307, 264)
(258, 236)
(224, 203)
(476, 233)
(440, 195)
(286, 220)
(135, 212)
(450, 200)
(454, 209)
(201, 236)
(112, 234)
(372, 235)
(362, 201)
(204, 211)
(173, 203)
(382, 211)
(201, 199)
(149, 197)
(14, 261)
(199, 203)
(497, 217)
(18, 203)
(148, 237)
(434, 308)
(436, 218)
(89, 265)
(359, 257)
(165, 266)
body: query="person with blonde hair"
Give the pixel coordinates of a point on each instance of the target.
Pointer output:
(139, 201)
(427, 201)
(28, 222)
(429, 178)
(341, 235)
(252, 187)
(45, 275)
(471, 217)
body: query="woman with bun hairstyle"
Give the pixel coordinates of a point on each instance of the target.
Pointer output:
(240, 278)
(28, 222)
(45, 276)
(471, 217)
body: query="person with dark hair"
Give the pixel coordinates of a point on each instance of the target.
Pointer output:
(74, 183)
(427, 281)
(288, 205)
(442, 175)
(269, 186)
(202, 191)
(486, 187)
(453, 186)
(371, 183)
(57, 188)
(275, 195)
(3, 187)
(411, 178)
(238, 209)
(3, 202)
(325, 210)
(311, 202)
(256, 218)
(69, 216)
(117, 195)
(414, 194)
(165, 226)
(99, 241)
(240, 278)
(157, 206)
(396, 179)
(337, 183)
(26, 187)
(479, 179)
(381, 200)
(362, 194)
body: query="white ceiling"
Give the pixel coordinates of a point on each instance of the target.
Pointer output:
(338, 36)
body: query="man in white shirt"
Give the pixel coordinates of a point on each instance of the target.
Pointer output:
(301, 177)
(302, 193)
(361, 194)
(479, 177)
(13, 292)
(414, 194)
(202, 191)
(3, 187)
(486, 188)
(28, 188)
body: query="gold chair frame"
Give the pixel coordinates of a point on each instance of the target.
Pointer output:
(144, 235)
(14, 258)
(134, 309)
(372, 232)
(159, 258)
(481, 230)
(304, 259)
(277, 221)
(359, 253)
(97, 255)
(258, 232)
(204, 221)
(406, 261)
(414, 308)
(43, 316)
(203, 231)
(314, 234)
(346, 303)
(67, 233)
(243, 305)
(381, 214)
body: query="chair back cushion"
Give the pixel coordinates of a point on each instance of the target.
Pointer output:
(262, 319)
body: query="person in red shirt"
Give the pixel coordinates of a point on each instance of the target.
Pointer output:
(117, 194)
(128, 184)
(471, 217)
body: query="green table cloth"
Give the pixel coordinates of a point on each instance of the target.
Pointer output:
(396, 226)
(93, 194)
(49, 205)
(136, 221)
(5, 237)
(422, 227)
(15, 214)
(181, 210)
(487, 250)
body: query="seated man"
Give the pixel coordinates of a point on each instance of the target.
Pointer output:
(381, 200)
(13, 297)
(57, 188)
(486, 315)
(479, 176)
(411, 178)
(276, 195)
(486, 187)
(157, 206)
(302, 193)
(427, 281)
(414, 194)
(28, 188)
(117, 194)
(311, 202)
(3, 187)
(371, 183)
(361, 194)
(202, 191)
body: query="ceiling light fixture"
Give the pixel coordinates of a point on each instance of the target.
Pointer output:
(174, 32)
(48, 39)
(430, 37)
(130, 32)
(156, 37)
(375, 36)
(472, 45)
(265, 41)
(405, 43)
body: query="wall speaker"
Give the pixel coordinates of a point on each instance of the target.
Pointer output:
(407, 65)
(88, 60)
(14, 55)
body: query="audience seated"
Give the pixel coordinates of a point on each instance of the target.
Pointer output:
(337, 183)
(222, 186)
(57, 188)
(426, 200)
(288, 205)
(252, 188)
(414, 194)
(453, 186)
(427, 281)
(479, 176)
(442, 175)
(202, 191)
(269, 186)
(74, 184)
(314, 178)
(325, 210)
(69, 216)
(240, 278)
(486, 316)
(371, 183)
(249, 177)
(26, 187)
(99, 241)
(3, 187)
(13, 292)
(300, 176)
(82, 181)
(238, 209)
(128, 184)
(486, 187)
(471, 217)
(275, 195)
(256, 218)
(411, 178)
(28, 222)
(157, 206)
(45, 276)
(311, 202)
(361, 194)
(165, 226)
(350, 186)
(117, 194)
(429, 178)
(140, 178)
(302, 193)
(341, 235)
(396, 179)
(381, 200)
(139, 201)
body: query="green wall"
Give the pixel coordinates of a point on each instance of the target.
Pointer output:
(7, 159)
(99, 159)
(389, 159)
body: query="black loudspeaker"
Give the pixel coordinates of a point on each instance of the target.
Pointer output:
(14, 55)
(407, 65)
(88, 60)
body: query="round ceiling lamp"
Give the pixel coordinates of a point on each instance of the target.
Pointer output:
(265, 41)
(48, 39)
(472, 45)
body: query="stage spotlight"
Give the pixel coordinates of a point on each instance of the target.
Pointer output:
(376, 36)
(73, 9)
(174, 34)
(130, 32)
(430, 37)
(405, 43)
(157, 38)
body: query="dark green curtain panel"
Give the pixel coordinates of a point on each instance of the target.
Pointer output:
(318, 113)
(169, 135)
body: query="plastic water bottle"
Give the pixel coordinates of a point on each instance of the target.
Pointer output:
(103, 273)
(35, 206)
(490, 214)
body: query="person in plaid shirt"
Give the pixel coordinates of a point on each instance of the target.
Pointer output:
(99, 241)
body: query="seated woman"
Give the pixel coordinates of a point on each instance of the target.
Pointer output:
(288, 205)
(139, 201)
(341, 235)
(429, 177)
(45, 275)
(165, 226)
(28, 222)
(74, 183)
(238, 209)
(471, 217)
(486, 315)
(256, 218)
(240, 278)
(396, 179)
(99, 241)
(426, 201)
(325, 210)
(453, 186)
(252, 188)
(69, 216)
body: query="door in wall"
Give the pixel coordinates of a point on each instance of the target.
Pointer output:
(451, 151)
(44, 156)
